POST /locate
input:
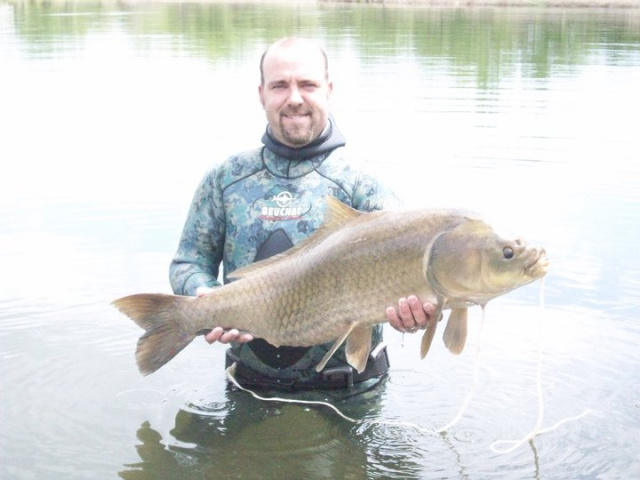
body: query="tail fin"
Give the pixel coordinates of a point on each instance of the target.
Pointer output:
(158, 315)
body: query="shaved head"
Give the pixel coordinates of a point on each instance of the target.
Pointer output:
(311, 46)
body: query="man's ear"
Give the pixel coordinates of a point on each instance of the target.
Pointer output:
(261, 94)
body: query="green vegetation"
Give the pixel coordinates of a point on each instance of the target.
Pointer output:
(486, 42)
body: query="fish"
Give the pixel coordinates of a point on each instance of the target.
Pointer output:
(335, 285)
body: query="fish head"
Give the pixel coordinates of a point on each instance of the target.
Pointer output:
(472, 264)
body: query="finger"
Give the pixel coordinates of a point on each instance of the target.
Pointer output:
(244, 337)
(202, 291)
(229, 336)
(214, 335)
(420, 317)
(429, 310)
(406, 315)
(394, 320)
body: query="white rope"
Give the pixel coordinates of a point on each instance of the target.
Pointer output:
(515, 444)
(474, 385)
(537, 430)
(230, 372)
(231, 376)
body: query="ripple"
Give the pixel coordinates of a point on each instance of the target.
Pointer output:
(141, 397)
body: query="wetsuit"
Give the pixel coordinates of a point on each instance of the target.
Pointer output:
(257, 204)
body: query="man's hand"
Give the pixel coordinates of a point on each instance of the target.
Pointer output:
(411, 315)
(218, 334)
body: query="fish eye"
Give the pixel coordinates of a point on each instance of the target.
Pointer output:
(507, 252)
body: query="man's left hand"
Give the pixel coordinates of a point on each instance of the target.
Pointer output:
(411, 314)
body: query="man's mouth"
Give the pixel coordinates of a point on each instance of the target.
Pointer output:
(295, 116)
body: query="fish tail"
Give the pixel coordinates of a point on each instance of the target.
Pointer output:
(163, 339)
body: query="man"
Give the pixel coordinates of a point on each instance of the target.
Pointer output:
(261, 202)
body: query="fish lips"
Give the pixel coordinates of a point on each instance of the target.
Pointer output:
(539, 264)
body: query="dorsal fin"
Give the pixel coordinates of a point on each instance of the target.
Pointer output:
(337, 215)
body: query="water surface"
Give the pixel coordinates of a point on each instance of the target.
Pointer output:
(111, 113)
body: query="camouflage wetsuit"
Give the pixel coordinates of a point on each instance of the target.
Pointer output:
(259, 203)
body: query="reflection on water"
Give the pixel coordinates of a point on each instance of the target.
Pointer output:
(110, 114)
(285, 441)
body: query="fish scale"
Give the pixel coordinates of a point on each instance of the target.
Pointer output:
(336, 285)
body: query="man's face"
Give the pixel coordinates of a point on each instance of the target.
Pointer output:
(295, 93)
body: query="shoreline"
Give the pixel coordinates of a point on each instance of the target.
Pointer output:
(509, 3)
(542, 4)
(612, 4)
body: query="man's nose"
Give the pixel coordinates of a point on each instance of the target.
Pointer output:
(295, 96)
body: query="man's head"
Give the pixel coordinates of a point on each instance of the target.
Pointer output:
(295, 90)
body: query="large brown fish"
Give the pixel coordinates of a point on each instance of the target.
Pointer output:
(336, 285)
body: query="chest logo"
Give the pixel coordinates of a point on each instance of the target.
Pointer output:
(282, 206)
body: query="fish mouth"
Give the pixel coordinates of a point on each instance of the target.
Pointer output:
(539, 265)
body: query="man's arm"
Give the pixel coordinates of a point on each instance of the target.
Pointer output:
(200, 251)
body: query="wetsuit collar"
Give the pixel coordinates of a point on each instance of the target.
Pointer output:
(329, 139)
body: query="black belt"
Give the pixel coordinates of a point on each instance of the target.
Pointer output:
(343, 376)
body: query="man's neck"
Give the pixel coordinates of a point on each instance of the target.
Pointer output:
(328, 140)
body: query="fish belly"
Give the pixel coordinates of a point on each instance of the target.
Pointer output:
(314, 296)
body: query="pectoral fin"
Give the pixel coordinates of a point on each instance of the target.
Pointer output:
(429, 333)
(333, 348)
(358, 347)
(455, 335)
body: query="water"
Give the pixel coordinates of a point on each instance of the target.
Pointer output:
(111, 112)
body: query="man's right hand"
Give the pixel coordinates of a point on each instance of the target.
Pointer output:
(219, 334)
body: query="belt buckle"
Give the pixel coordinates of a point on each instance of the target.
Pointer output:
(377, 351)
(345, 373)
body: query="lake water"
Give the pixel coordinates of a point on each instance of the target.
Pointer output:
(110, 113)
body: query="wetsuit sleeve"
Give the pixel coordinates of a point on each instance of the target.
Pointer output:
(370, 194)
(200, 251)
